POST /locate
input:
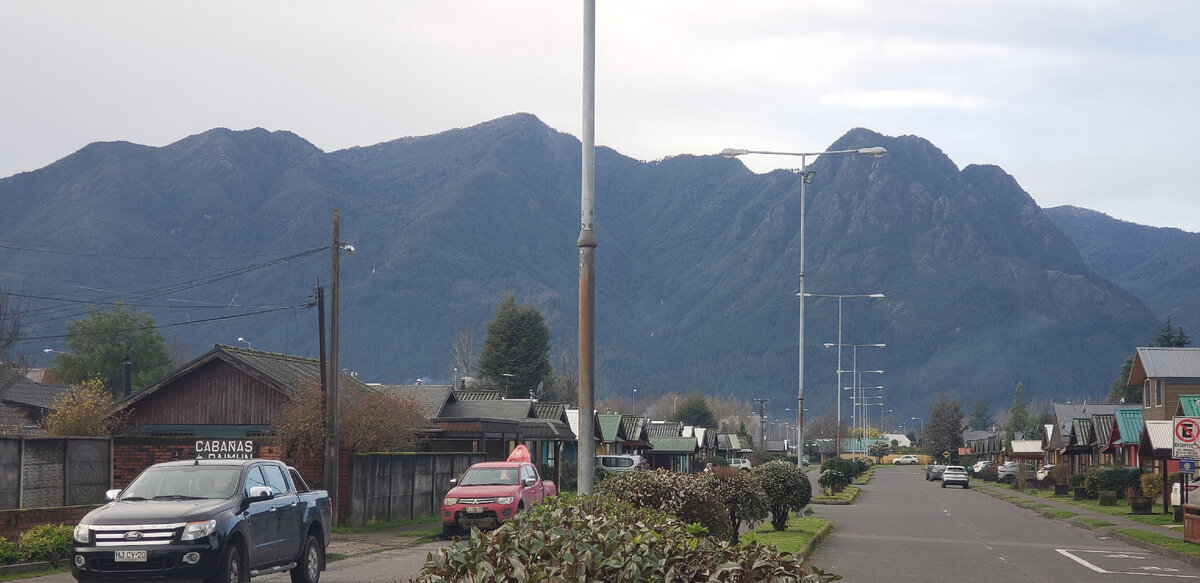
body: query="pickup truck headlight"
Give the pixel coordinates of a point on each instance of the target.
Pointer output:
(201, 529)
(81, 533)
(504, 500)
(449, 501)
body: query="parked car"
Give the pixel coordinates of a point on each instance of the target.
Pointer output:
(213, 520)
(740, 463)
(1044, 472)
(490, 493)
(980, 466)
(618, 462)
(906, 459)
(955, 476)
(934, 471)
(1007, 471)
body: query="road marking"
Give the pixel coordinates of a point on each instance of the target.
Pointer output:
(1147, 570)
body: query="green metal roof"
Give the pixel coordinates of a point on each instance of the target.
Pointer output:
(610, 426)
(1189, 405)
(673, 445)
(1129, 425)
(1081, 432)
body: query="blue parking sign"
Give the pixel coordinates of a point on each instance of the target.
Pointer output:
(1187, 466)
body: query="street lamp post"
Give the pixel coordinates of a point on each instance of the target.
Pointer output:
(854, 371)
(922, 420)
(838, 425)
(806, 176)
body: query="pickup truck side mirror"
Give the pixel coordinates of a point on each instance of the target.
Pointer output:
(453, 481)
(258, 493)
(529, 482)
(111, 495)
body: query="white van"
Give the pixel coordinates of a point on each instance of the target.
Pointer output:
(618, 462)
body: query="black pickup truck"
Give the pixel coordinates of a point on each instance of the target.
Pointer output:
(206, 520)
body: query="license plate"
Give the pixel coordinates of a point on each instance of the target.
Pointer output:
(473, 510)
(129, 556)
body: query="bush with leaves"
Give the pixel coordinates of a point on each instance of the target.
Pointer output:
(832, 481)
(742, 494)
(878, 448)
(8, 552)
(598, 538)
(685, 496)
(85, 410)
(846, 467)
(787, 488)
(1115, 478)
(379, 422)
(46, 542)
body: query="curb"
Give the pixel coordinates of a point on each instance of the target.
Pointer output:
(814, 542)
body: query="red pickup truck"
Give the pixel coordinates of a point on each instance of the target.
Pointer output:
(490, 493)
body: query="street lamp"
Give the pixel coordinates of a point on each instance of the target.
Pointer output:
(507, 378)
(838, 444)
(240, 339)
(922, 420)
(806, 177)
(854, 360)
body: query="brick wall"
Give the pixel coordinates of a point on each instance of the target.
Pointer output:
(14, 522)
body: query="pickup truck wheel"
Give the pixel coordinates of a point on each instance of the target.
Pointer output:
(230, 570)
(309, 568)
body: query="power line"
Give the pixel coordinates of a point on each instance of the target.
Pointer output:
(172, 325)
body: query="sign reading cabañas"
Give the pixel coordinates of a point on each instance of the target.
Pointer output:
(225, 449)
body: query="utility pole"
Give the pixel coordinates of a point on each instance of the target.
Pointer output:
(762, 421)
(331, 397)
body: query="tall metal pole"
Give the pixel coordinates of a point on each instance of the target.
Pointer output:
(587, 259)
(331, 397)
(800, 296)
(838, 426)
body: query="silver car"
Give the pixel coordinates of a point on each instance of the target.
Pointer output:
(955, 476)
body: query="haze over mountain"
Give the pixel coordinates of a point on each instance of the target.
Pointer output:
(696, 265)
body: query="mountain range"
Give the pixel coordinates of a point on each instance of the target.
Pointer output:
(697, 261)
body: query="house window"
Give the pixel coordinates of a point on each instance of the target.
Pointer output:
(1158, 386)
(1146, 402)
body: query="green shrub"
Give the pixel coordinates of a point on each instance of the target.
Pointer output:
(598, 538)
(832, 481)
(1117, 478)
(1076, 481)
(8, 552)
(1152, 485)
(787, 489)
(742, 494)
(719, 461)
(685, 496)
(848, 468)
(46, 542)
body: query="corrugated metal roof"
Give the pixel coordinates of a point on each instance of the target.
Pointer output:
(546, 429)
(1164, 363)
(672, 444)
(1026, 446)
(549, 410)
(610, 427)
(1102, 424)
(1189, 406)
(665, 429)
(430, 399)
(1160, 434)
(1129, 426)
(477, 395)
(512, 410)
(24, 391)
(1081, 432)
(634, 427)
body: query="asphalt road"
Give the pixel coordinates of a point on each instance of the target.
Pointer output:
(903, 528)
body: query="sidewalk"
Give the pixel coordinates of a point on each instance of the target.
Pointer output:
(1024, 500)
(361, 543)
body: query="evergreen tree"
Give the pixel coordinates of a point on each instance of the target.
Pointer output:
(1019, 420)
(981, 416)
(693, 410)
(517, 344)
(943, 430)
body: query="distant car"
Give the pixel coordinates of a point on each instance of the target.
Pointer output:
(740, 463)
(1044, 472)
(980, 466)
(1007, 471)
(618, 462)
(906, 460)
(955, 476)
(934, 471)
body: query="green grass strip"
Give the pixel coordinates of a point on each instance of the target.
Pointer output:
(802, 535)
(378, 526)
(844, 497)
(1094, 522)
(1175, 544)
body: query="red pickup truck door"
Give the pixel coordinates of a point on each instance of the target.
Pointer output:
(531, 494)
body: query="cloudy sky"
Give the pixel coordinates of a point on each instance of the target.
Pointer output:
(1089, 102)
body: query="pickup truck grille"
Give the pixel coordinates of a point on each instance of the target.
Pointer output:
(134, 534)
(472, 501)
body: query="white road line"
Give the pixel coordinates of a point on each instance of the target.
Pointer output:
(1147, 571)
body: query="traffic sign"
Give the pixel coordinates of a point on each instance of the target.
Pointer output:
(946, 454)
(1186, 438)
(1187, 466)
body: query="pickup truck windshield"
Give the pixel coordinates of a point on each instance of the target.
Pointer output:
(188, 483)
(485, 476)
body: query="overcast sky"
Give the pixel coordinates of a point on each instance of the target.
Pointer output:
(1091, 103)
